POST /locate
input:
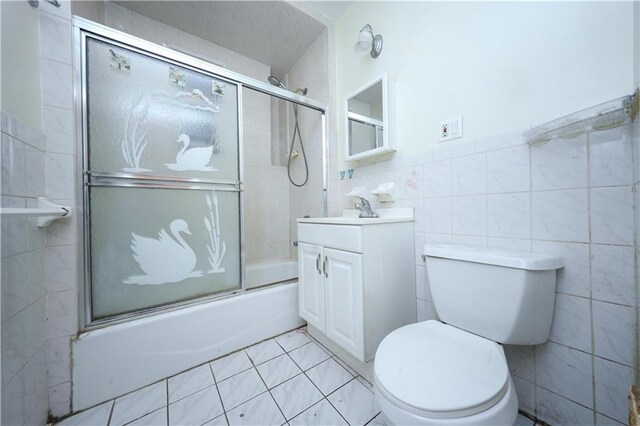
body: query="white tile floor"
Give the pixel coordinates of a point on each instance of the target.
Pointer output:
(290, 379)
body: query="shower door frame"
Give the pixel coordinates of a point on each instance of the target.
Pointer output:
(83, 29)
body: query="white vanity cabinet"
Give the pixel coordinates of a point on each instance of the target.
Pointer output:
(356, 279)
(331, 294)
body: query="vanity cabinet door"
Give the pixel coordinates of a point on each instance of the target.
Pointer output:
(311, 285)
(344, 300)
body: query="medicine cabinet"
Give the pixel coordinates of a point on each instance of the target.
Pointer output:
(369, 120)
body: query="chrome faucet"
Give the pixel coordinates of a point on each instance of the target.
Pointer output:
(365, 208)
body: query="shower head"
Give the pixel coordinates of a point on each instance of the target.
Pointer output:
(275, 81)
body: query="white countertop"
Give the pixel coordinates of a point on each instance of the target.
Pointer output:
(350, 217)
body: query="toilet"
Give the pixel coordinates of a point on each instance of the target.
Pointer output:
(454, 371)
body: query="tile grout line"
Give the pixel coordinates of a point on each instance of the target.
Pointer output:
(304, 372)
(267, 387)
(168, 400)
(113, 407)
(215, 383)
(590, 252)
(531, 209)
(327, 396)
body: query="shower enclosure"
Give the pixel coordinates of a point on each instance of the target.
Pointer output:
(183, 190)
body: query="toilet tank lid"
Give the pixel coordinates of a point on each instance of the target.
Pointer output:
(492, 256)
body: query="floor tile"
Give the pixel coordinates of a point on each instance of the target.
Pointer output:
(227, 366)
(240, 388)
(292, 340)
(261, 410)
(157, 418)
(355, 402)
(278, 370)
(380, 420)
(218, 421)
(320, 414)
(139, 403)
(328, 376)
(96, 416)
(189, 382)
(195, 399)
(296, 395)
(264, 351)
(196, 409)
(308, 355)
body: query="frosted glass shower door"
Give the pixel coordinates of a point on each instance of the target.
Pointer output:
(161, 181)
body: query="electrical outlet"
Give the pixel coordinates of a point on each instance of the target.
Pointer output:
(451, 128)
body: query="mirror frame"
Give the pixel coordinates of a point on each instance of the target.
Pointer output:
(388, 141)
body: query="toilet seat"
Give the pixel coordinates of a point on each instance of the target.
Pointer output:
(437, 371)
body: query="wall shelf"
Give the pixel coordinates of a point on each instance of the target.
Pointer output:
(46, 212)
(605, 116)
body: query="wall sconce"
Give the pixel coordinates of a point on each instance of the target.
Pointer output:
(368, 43)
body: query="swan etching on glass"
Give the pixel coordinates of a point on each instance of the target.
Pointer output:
(166, 259)
(195, 158)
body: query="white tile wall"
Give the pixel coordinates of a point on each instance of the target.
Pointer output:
(612, 215)
(611, 158)
(470, 215)
(571, 198)
(612, 326)
(560, 165)
(571, 325)
(24, 301)
(508, 170)
(612, 382)
(565, 371)
(59, 177)
(56, 81)
(469, 175)
(561, 215)
(612, 273)
(311, 72)
(573, 278)
(509, 215)
(555, 409)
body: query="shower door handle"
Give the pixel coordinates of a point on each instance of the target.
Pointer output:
(324, 267)
(318, 263)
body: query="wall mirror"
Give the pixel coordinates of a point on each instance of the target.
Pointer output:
(368, 121)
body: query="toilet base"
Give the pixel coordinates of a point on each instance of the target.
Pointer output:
(503, 413)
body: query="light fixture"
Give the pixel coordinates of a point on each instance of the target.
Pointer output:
(368, 43)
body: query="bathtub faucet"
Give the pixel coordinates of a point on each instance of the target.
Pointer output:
(364, 208)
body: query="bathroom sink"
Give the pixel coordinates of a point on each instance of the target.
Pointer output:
(350, 217)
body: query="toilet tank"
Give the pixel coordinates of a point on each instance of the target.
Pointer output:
(504, 295)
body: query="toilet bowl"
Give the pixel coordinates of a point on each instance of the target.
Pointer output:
(431, 373)
(454, 371)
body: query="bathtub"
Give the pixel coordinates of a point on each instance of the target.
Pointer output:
(260, 274)
(117, 359)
